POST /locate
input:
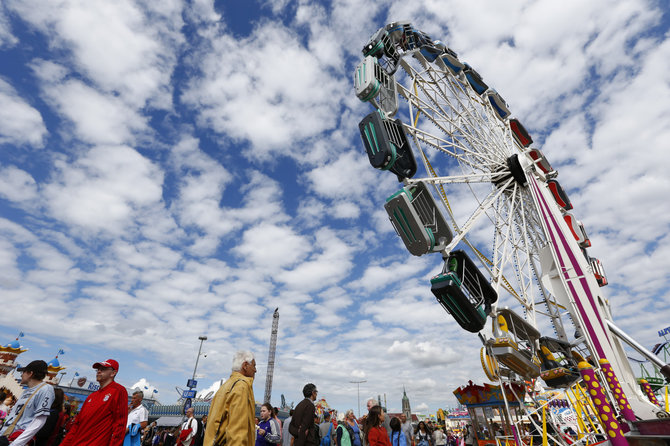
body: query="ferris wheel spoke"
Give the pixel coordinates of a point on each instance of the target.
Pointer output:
(486, 178)
(524, 277)
(464, 134)
(504, 216)
(449, 127)
(461, 121)
(454, 148)
(532, 248)
(457, 107)
(468, 122)
(508, 250)
(476, 215)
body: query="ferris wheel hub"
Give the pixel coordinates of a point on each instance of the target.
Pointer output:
(514, 170)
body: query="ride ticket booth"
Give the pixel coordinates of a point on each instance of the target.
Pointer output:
(492, 414)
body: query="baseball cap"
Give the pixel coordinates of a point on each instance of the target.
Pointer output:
(109, 363)
(35, 366)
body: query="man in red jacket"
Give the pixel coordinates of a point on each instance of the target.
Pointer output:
(102, 418)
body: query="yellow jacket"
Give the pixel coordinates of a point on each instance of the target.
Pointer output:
(234, 411)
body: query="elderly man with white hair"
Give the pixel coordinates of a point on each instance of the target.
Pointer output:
(232, 412)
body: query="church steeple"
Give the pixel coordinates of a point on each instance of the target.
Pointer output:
(405, 405)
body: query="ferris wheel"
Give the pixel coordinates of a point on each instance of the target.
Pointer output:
(515, 266)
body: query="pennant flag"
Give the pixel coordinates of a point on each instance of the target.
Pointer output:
(76, 373)
(60, 352)
(20, 335)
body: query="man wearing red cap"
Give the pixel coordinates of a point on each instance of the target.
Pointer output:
(102, 418)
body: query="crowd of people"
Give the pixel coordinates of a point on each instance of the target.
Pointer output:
(233, 421)
(41, 417)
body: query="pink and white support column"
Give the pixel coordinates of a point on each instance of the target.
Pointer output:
(647, 391)
(605, 412)
(615, 387)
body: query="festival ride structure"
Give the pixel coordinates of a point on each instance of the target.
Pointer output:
(650, 374)
(8, 354)
(271, 357)
(499, 202)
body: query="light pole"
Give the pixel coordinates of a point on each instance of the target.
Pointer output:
(191, 382)
(358, 385)
(61, 377)
(202, 339)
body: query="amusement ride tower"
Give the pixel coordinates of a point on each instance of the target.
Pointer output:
(271, 357)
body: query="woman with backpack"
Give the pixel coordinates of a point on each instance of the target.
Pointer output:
(348, 433)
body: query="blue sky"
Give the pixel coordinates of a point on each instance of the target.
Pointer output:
(175, 169)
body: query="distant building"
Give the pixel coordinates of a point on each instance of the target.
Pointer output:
(405, 405)
(8, 354)
(53, 368)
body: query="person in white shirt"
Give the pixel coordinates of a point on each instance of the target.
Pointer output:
(190, 423)
(138, 417)
(287, 438)
(406, 428)
(439, 437)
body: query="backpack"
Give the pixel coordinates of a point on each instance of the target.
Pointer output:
(326, 440)
(350, 429)
(184, 433)
(200, 434)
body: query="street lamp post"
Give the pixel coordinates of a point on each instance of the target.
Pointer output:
(191, 382)
(202, 339)
(358, 385)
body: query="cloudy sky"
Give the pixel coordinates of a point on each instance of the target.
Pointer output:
(175, 169)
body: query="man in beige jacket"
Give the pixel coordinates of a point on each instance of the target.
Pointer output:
(231, 420)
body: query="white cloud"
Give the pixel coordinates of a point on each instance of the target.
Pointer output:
(425, 354)
(146, 388)
(328, 266)
(7, 39)
(20, 123)
(272, 247)
(330, 179)
(120, 46)
(104, 188)
(266, 89)
(378, 277)
(17, 185)
(358, 374)
(98, 118)
(421, 408)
